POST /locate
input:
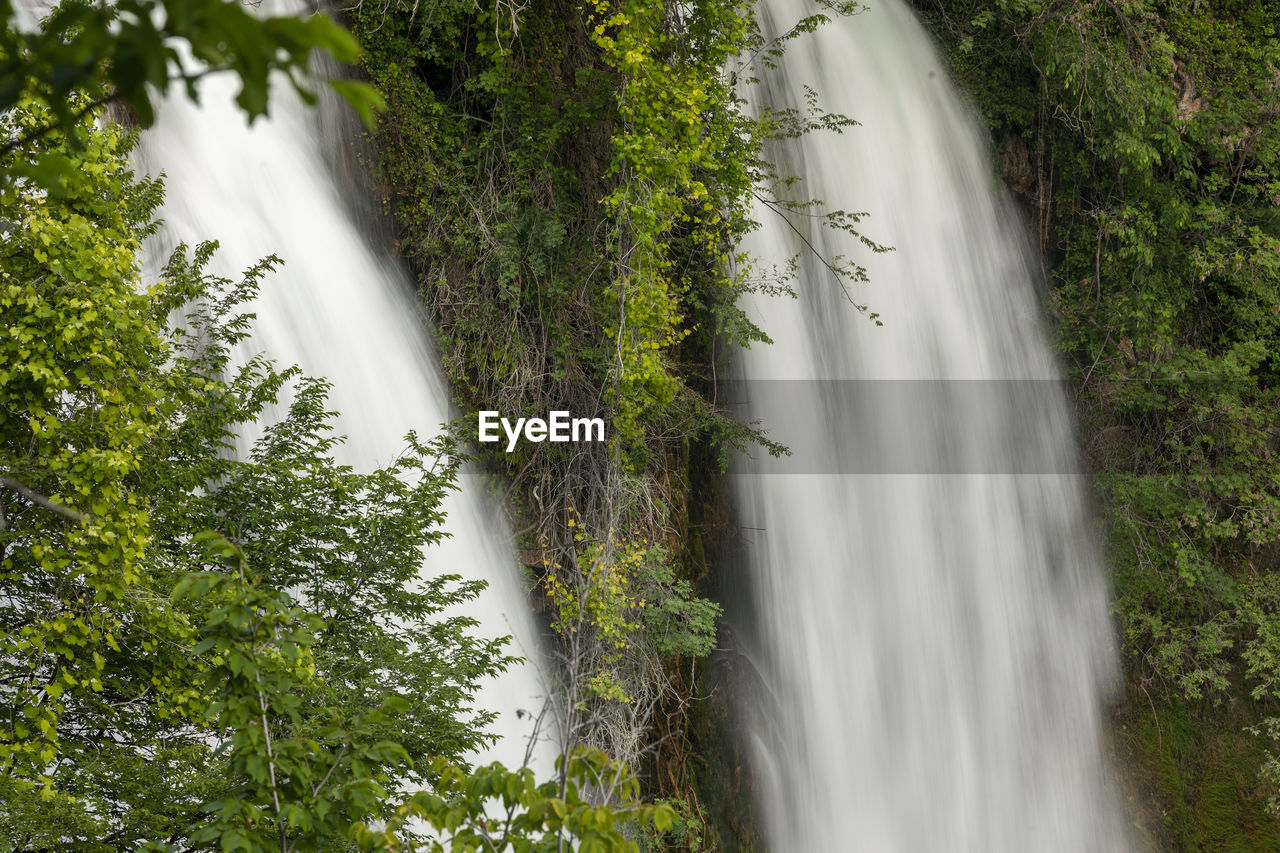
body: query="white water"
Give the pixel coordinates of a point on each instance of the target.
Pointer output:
(935, 649)
(340, 309)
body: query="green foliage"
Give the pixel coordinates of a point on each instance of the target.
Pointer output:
(79, 351)
(349, 544)
(626, 604)
(687, 832)
(131, 50)
(679, 622)
(496, 809)
(686, 168)
(297, 790)
(306, 789)
(144, 676)
(571, 184)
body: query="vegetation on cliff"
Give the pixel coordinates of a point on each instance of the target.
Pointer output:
(569, 182)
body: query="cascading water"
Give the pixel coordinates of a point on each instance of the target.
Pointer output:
(341, 310)
(929, 614)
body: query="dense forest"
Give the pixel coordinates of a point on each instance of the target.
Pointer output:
(205, 648)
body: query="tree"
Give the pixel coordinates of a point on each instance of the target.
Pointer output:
(79, 354)
(112, 447)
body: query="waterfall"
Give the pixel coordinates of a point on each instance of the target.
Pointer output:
(340, 309)
(929, 616)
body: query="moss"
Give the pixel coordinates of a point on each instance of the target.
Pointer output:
(1192, 774)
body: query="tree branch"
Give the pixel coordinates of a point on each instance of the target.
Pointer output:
(35, 497)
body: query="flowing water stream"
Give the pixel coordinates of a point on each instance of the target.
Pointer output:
(929, 616)
(340, 308)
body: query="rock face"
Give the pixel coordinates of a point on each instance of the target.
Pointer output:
(1017, 171)
(1188, 102)
(1022, 175)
